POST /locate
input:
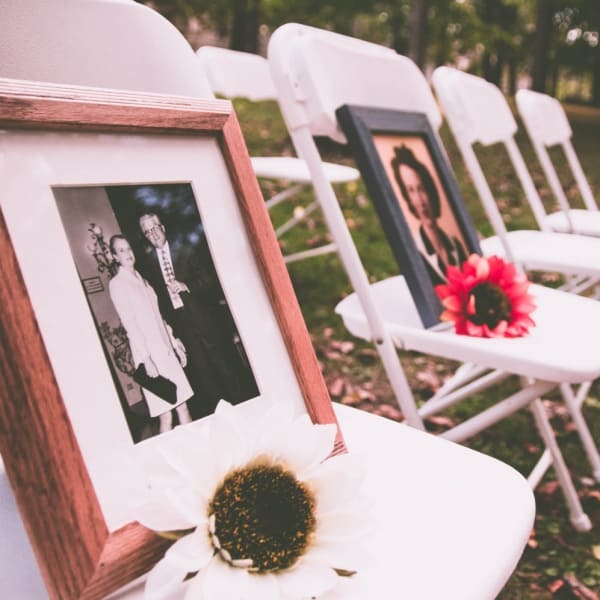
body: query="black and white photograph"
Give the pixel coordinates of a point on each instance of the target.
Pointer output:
(169, 338)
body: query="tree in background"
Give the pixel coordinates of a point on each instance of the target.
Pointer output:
(418, 31)
(554, 41)
(542, 44)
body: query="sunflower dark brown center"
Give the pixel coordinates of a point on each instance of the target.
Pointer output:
(264, 513)
(491, 305)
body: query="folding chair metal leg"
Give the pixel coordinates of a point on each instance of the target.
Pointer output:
(538, 472)
(591, 450)
(545, 461)
(578, 518)
(302, 213)
(498, 411)
(441, 402)
(464, 373)
(302, 254)
(281, 196)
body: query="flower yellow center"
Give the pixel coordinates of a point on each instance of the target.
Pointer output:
(491, 305)
(263, 513)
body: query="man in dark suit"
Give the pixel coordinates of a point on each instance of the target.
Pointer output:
(191, 300)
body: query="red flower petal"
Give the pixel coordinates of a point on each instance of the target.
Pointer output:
(511, 284)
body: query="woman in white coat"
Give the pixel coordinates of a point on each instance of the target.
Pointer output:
(150, 338)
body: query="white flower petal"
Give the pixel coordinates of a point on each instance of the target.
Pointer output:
(262, 587)
(164, 579)
(192, 552)
(190, 468)
(353, 556)
(336, 481)
(227, 439)
(194, 589)
(276, 418)
(188, 504)
(307, 579)
(341, 524)
(187, 459)
(220, 582)
(158, 514)
(303, 445)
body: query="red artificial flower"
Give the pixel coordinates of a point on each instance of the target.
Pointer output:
(487, 297)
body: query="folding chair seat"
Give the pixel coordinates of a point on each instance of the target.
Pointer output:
(479, 530)
(477, 112)
(234, 74)
(547, 125)
(308, 70)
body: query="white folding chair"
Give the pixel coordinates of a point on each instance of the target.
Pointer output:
(308, 67)
(477, 112)
(146, 53)
(236, 74)
(547, 125)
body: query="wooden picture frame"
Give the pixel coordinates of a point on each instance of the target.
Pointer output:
(55, 135)
(398, 154)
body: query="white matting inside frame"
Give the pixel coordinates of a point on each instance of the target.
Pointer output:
(31, 164)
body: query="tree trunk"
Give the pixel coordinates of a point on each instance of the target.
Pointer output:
(245, 25)
(417, 34)
(512, 77)
(398, 28)
(542, 45)
(596, 77)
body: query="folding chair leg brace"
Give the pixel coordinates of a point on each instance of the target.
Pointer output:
(281, 196)
(443, 401)
(578, 518)
(545, 461)
(302, 254)
(501, 409)
(530, 395)
(573, 403)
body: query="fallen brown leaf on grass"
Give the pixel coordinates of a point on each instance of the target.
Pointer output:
(430, 379)
(344, 347)
(441, 421)
(385, 410)
(580, 591)
(336, 387)
(548, 488)
(532, 541)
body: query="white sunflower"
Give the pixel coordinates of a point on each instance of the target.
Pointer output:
(261, 514)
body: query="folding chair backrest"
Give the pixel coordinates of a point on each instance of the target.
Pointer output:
(117, 44)
(236, 74)
(325, 70)
(315, 72)
(322, 71)
(477, 111)
(547, 125)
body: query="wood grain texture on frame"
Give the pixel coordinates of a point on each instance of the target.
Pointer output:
(78, 556)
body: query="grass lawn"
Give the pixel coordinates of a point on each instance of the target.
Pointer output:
(558, 562)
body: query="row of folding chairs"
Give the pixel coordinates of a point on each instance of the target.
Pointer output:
(309, 70)
(472, 510)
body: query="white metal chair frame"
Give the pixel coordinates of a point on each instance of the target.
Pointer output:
(477, 112)
(547, 126)
(236, 74)
(308, 67)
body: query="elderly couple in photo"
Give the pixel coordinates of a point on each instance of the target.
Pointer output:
(173, 309)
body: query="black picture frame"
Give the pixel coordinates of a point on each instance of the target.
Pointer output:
(371, 132)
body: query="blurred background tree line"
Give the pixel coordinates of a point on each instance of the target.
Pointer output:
(548, 45)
